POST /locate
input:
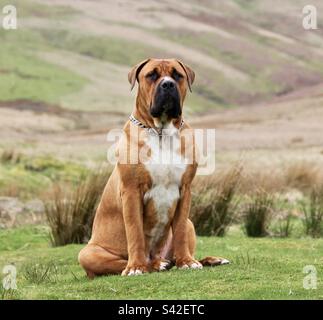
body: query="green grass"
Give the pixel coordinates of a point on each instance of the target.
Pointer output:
(22, 74)
(261, 269)
(33, 175)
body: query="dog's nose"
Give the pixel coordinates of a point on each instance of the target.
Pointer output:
(168, 85)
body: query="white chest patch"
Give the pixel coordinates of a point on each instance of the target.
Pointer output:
(166, 167)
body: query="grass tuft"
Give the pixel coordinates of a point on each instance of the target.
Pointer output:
(10, 294)
(284, 225)
(70, 214)
(313, 213)
(257, 215)
(37, 273)
(213, 204)
(10, 156)
(302, 176)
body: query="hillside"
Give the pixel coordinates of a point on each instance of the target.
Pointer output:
(76, 54)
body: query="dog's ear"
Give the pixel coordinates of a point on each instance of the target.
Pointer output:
(133, 74)
(190, 74)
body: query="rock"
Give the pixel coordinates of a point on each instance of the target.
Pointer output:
(14, 212)
(35, 206)
(10, 204)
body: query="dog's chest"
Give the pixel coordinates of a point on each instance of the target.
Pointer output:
(166, 168)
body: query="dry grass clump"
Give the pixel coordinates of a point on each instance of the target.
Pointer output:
(257, 215)
(214, 201)
(10, 156)
(70, 213)
(265, 179)
(313, 213)
(302, 176)
(213, 204)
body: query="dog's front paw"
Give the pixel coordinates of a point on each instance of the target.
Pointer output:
(134, 270)
(188, 263)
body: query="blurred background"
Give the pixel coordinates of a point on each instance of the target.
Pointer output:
(63, 85)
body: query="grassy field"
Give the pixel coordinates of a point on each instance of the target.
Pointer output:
(261, 269)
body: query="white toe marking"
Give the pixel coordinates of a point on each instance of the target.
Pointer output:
(225, 261)
(135, 272)
(163, 265)
(196, 265)
(184, 266)
(138, 272)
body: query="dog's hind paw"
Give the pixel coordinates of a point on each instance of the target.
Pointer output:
(214, 261)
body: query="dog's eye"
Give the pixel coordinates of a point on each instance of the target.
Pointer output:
(176, 75)
(153, 75)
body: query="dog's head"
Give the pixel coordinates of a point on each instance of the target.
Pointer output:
(162, 86)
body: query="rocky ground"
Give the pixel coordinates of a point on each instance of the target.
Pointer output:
(14, 212)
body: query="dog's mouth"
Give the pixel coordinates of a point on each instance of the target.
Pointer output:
(166, 105)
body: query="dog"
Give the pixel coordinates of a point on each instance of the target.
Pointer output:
(142, 222)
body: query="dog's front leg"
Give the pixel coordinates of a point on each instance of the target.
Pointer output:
(133, 219)
(182, 253)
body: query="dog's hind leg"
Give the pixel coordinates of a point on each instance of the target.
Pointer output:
(97, 261)
(168, 251)
(207, 261)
